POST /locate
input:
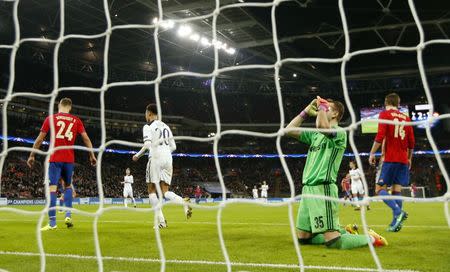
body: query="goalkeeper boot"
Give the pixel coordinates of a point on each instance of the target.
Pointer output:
(68, 222)
(352, 228)
(48, 227)
(379, 240)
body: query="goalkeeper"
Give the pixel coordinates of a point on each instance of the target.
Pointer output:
(318, 219)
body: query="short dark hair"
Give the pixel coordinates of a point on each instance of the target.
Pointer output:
(392, 99)
(152, 108)
(339, 107)
(66, 102)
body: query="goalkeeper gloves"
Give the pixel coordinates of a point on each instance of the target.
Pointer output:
(322, 104)
(310, 110)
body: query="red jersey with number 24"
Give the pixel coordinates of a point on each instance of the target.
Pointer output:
(398, 138)
(67, 127)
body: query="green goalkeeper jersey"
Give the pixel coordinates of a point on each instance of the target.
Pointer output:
(324, 156)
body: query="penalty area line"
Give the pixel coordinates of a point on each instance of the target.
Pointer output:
(199, 262)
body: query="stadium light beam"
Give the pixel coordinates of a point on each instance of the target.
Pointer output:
(204, 41)
(231, 51)
(195, 37)
(184, 30)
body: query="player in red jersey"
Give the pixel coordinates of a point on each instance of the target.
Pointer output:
(66, 128)
(345, 187)
(399, 144)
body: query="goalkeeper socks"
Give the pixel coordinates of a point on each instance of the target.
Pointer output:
(348, 241)
(154, 202)
(175, 198)
(68, 200)
(398, 201)
(391, 203)
(52, 212)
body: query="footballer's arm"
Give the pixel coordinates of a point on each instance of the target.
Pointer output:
(87, 142)
(295, 123)
(147, 146)
(310, 110)
(37, 145)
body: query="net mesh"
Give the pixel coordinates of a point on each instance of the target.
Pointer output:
(343, 60)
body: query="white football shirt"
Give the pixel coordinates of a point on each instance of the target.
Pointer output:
(355, 175)
(255, 193)
(128, 180)
(161, 138)
(264, 188)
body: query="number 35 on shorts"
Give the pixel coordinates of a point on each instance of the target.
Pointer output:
(318, 222)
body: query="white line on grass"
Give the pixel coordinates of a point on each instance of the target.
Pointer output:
(214, 223)
(199, 262)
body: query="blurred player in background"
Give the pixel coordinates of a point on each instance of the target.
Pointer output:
(198, 194)
(158, 139)
(66, 128)
(357, 184)
(318, 219)
(127, 188)
(345, 187)
(399, 144)
(264, 189)
(413, 190)
(255, 192)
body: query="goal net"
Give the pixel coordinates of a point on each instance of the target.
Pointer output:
(276, 66)
(418, 192)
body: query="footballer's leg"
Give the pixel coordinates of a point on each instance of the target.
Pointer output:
(171, 196)
(401, 179)
(153, 198)
(125, 196)
(303, 226)
(54, 175)
(386, 178)
(67, 174)
(166, 172)
(132, 198)
(152, 176)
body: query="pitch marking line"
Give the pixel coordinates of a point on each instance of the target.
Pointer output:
(199, 262)
(213, 223)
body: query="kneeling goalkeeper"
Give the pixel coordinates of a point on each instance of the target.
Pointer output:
(318, 219)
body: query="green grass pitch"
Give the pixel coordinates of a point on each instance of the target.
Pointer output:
(253, 235)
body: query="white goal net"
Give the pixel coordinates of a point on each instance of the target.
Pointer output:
(277, 135)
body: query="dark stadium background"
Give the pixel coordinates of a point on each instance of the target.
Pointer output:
(246, 98)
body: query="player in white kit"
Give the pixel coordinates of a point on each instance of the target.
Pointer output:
(264, 189)
(127, 189)
(158, 139)
(255, 192)
(357, 184)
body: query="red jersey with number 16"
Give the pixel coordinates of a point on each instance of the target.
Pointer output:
(67, 127)
(399, 138)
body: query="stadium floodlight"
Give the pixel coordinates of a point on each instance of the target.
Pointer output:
(168, 24)
(231, 51)
(217, 44)
(195, 37)
(294, 75)
(204, 41)
(184, 30)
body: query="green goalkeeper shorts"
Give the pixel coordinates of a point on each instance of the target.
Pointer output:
(318, 215)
